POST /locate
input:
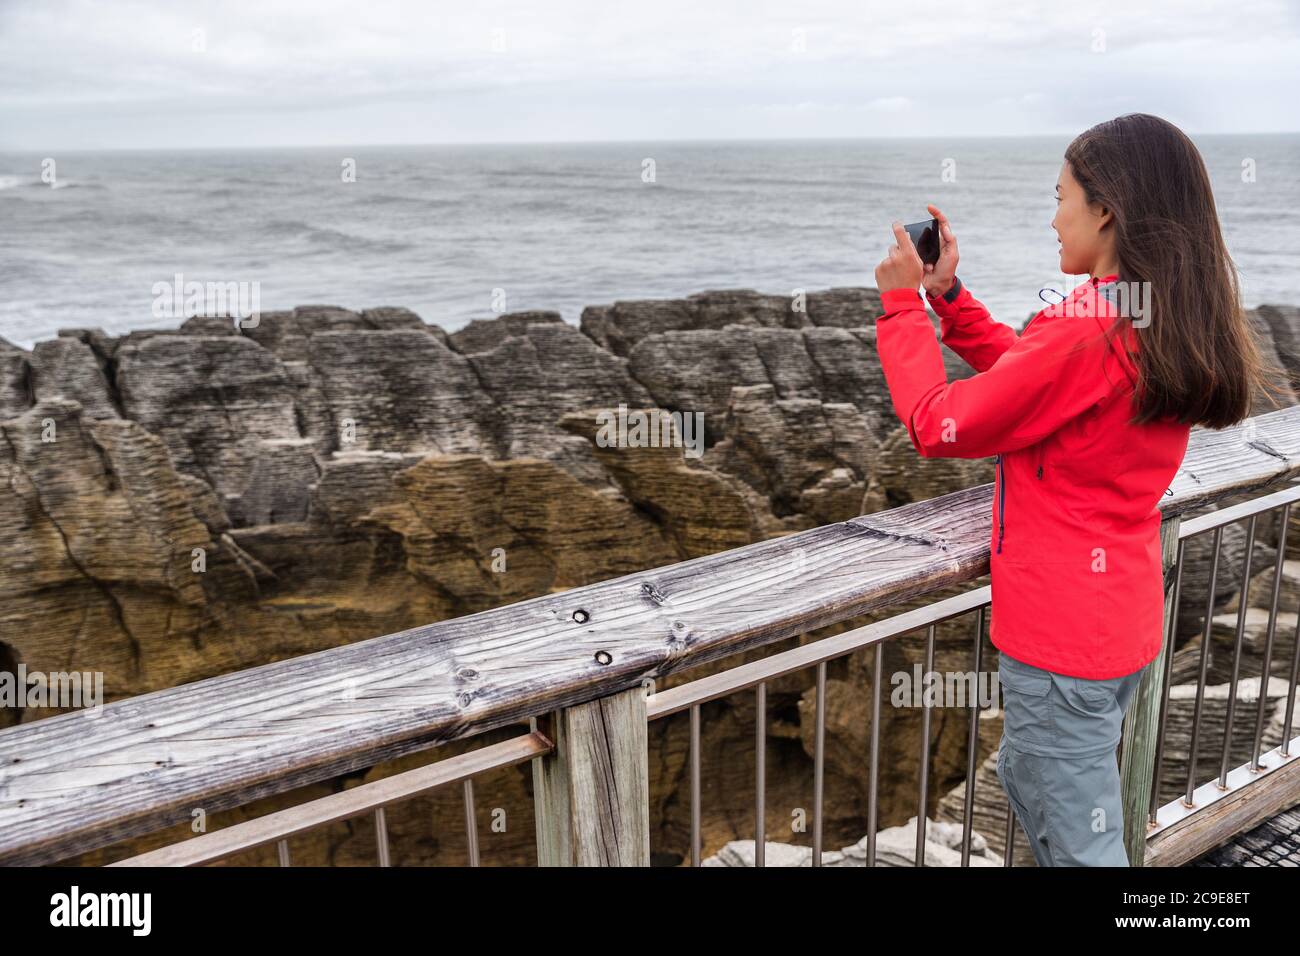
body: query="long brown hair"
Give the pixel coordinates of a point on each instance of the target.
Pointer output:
(1198, 357)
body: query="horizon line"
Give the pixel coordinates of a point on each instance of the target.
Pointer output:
(585, 142)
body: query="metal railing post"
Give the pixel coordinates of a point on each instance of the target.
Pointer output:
(592, 794)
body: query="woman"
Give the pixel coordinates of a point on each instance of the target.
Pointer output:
(1088, 411)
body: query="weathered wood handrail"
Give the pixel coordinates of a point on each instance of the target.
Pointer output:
(71, 783)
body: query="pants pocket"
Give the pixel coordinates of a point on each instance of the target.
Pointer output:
(1097, 697)
(1094, 697)
(1027, 709)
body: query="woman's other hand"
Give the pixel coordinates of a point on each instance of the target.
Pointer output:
(938, 277)
(902, 267)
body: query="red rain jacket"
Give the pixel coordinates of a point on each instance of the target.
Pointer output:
(1077, 585)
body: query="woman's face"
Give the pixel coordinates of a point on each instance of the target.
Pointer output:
(1085, 244)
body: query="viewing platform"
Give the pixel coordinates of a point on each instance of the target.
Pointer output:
(568, 682)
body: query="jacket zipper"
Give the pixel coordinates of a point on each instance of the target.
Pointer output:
(1002, 497)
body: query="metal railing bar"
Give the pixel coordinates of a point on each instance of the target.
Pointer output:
(1236, 654)
(471, 821)
(1010, 839)
(344, 805)
(760, 774)
(925, 752)
(972, 744)
(1205, 660)
(1290, 697)
(744, 676)
(1267, 665)
(1225, 516)
(873, 766)
(381, 837)
(819, 763)
(282, 852)
(695, 785)
(1170, 634)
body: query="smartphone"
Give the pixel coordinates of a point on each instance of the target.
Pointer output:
(925, 236)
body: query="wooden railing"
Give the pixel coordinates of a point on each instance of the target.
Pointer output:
(571, 666)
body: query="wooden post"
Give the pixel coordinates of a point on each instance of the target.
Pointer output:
(1142, 723)
(592, 795)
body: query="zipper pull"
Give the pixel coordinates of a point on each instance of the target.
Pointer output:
(1040, 471)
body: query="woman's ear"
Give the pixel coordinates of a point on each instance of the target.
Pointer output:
(1105, 215)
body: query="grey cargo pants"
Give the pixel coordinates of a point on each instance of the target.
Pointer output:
(1057, 761)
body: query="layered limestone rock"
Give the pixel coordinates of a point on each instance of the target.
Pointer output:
(182, 503)
(895, 846)
(399, 390)
(536, 369)
(69, 368)
(98, 538)
(213, 399)
(621, 326)
(15, 380)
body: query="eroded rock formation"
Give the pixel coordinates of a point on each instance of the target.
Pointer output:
(182, 503)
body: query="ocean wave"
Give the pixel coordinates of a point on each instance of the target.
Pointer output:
(17, 182)
(400, 199)
(327, 237)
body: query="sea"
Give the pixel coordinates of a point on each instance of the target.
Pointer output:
(456, 232)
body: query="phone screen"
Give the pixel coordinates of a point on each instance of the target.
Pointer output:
(925, 236)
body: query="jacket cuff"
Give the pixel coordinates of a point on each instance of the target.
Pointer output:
(946, 304)
(897, 300)
(951, 295)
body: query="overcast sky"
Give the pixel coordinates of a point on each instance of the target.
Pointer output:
(198, 73)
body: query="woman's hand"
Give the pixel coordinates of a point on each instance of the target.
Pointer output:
(902, 267)
(938, 277)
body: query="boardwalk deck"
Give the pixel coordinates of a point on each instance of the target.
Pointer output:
(1275, 842)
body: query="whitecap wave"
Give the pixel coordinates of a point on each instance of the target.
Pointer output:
(16, 182)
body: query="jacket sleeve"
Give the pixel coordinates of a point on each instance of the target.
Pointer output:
(969, 330)
(1055, 373)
